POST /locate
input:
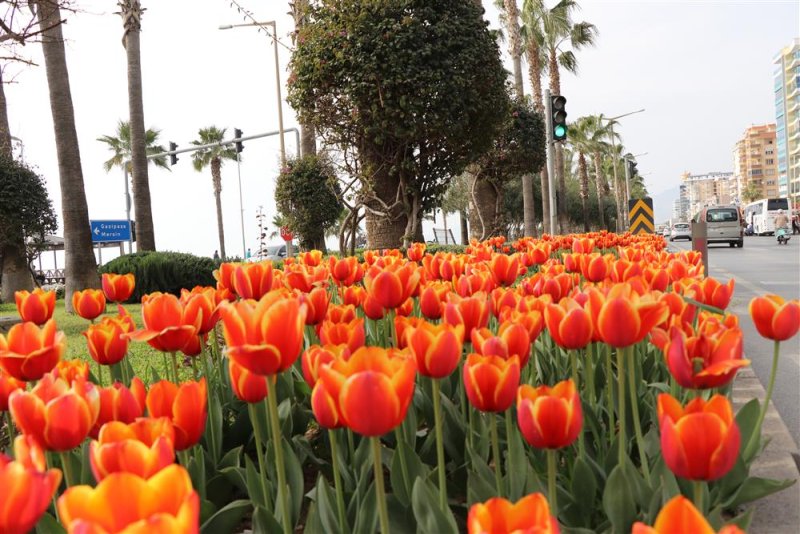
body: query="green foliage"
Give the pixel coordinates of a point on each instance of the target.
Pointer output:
(168, 272)
(416, 87)
(207, 156)
(120, 146)
(307, 194)
(26, 213)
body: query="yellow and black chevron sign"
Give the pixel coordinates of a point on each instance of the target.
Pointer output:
(640, 215)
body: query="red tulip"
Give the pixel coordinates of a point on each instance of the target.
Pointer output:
(680, 516)
(491, 382)
(569, 324)
(252, 280)
(317, 304)
(774, 318)
(118, 287)
(89, 303)
(704, 360)
(351, 334)
(106, 341)
(142, 448)
(8, 384)
(549, 418)
(436, 348)
(326, 407)
(626, 318)
(119, 403)
(27, 493)
(416, 251)
(315, 357)
(392, 285)
(248, 387)
(165, 323)
(185, 405)
(717, 294)
(200, 307)
(505, 269)
(36, 306)
(471, 312)
(28, 352)
(345, 271)
(529, 515)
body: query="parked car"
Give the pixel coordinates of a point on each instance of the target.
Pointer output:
(666, 231)
(273, 253)
(723, 225)
(680, 230)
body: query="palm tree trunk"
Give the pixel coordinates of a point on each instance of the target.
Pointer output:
(514, 44)
(462, 219)
(145, 235)
(599, 181)
(584, 176)
(216, 179)
(80, 266)
(535, 76)
(308, 139)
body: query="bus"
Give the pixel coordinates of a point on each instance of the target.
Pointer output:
(761, 214)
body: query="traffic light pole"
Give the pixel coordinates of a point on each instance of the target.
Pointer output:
(548, 114)
(224, 142)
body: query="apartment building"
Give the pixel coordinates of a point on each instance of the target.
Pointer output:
(787, 119)
(755, 162)
(709, 189)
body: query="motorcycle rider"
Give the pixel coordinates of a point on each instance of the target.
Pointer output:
(781, 220)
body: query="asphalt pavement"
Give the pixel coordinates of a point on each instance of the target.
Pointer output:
(761, 267)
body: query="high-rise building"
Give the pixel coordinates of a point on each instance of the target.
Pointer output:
(680, 206)
(787, 119)
(755, 163)
(708, 189)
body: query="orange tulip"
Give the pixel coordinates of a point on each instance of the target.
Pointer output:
(165, 323)
(700, 441)
(69, 370)
(252, 280)
(774, 318)
(312, 258)
(502, 299)
(36, 306)
(316, 302)
(351, 334)
(106, 341)
(142, 448)
(531, 514)
(505, 269)
(704, 360)
(625, 318)
(28, 352)
(680, 516)
(354, 296)
(185, 405)
(345, 271)
(326, 407)
(517, 339)
(583, 245)
(8, 384)
(392, 285)
(28, 452)
(491, 381)
(549, 417)
(373, 388)
(57, 415)
(224, 276)
(89, 303)
(118, 287)
(27, 492)
(264, 337)
(474, 282)
(119, 403)
(123, 502)
(248, 387)
(372, 308)
(200, 307)
(315, 357)
(471, 312)
(341, 313)
(569, 324)
(437, 348)
(595, 267)
(416, 251)
(717, 294)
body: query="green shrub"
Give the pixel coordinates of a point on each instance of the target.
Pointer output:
(167, 272)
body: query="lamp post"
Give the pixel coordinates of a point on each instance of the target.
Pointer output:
(277, 75)
(611, 121)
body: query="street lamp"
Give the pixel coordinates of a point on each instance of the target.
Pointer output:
(611, 121)
(277, 75)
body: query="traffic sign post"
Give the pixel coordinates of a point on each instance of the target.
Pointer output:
(640, 216)
(110, 231)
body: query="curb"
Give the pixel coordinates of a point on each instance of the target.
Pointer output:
(778, 513)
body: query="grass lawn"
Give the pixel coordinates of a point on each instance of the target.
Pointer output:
(143, 358)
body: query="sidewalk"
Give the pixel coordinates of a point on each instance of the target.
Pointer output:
(778, 513)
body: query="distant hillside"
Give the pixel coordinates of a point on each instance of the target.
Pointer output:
(662, 204)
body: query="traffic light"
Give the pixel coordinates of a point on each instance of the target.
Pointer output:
(558, 108)
(631, 168)
(173, 158)
(238, 134)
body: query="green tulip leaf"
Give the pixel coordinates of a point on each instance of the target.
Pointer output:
(226, 519)
(430, 518)
(618, 500)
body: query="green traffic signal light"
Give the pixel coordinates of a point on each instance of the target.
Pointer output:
(560, 131)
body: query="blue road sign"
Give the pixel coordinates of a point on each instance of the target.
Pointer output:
(110, 231)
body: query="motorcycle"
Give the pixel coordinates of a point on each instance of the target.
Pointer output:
(782, 235)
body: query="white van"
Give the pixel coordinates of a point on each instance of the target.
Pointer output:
(724, 225)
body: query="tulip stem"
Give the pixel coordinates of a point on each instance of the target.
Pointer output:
(621, 443)
(351, 446)
(380, 492)
(551, 481)
(573, 361)
(99, 374)
(588, 369)
(272, 405)
(437, 423)
(10, 427)
(637, 425)
(510, 443)
(610, 396)
(498, 476)
(398, 435)
(755, 438)
(698, 495)
(251, 409)
(174, 366)
(66, 466)
(337, 482)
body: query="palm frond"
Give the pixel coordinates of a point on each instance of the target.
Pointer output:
(583, 34)
(568, 61)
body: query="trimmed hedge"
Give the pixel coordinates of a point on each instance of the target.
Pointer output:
(167, 272)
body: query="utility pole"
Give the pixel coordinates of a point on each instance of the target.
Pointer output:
(548, 113)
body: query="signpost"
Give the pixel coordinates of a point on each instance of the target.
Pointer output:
(640, 216)
(110, 231)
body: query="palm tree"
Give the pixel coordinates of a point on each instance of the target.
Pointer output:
(557, 32)
(214, 157)
(580, 139)
(80, 265)
(120, 146)
(598, 133)
(308, 142)
(131, 13)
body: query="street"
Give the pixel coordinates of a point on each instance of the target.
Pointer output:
(763, 266)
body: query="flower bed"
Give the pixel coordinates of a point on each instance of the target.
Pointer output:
(576, 383)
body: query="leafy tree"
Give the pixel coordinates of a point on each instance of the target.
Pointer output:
(26, 217)
(307, 193)
(415, 87)
(120, 146)
(214, 157)
(751, 192)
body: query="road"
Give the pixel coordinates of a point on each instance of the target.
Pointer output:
(763, 266)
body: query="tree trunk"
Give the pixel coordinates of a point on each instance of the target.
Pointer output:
(535, 73)
(514, 44)
(308, 139)
(599, 181)
(544, 179)
(216, 180)
(385, 227)
(584, 177)
(5, 130)
(80, 266)
(484, 216)
(462, 219)
(145, 235)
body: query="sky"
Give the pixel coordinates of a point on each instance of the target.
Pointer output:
(701, 69)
